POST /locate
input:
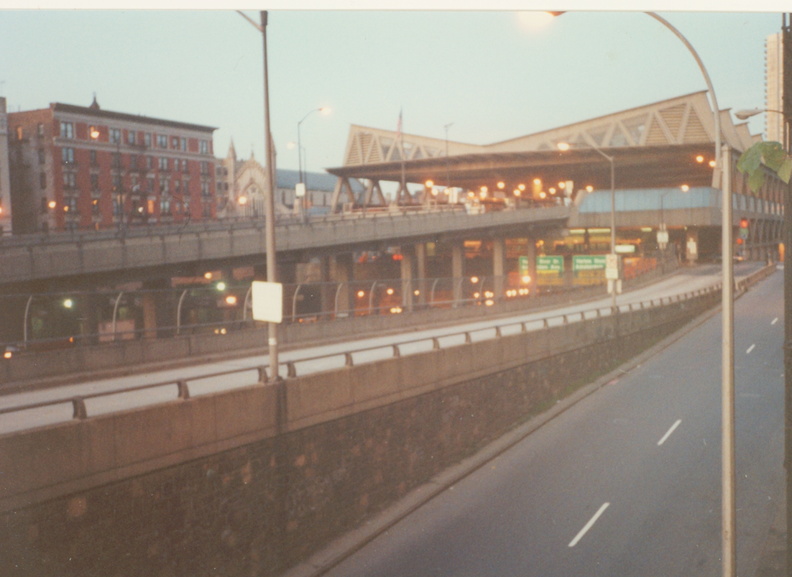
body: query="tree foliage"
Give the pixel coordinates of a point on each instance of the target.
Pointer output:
(770, 154)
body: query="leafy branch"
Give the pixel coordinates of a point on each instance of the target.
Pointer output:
(772, 155)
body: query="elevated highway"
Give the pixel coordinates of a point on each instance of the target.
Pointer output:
(196, 247)
(157, 384)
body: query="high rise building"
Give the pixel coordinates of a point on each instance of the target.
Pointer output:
(774, 87)
(75, 167)
(5, 175)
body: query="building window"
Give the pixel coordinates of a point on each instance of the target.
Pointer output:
(20, 133)
(131, 137)
(117, 183)
(186, 205)
(66, 130)
(147, 139)
(69, 180)
(184, 144)
(177, 186)
(204, 147)
(165, 206)
(95, 207)
(115, 135)
(149, 184)
(40, 129)
(67, 155)
(163, 163)
(41, 156)
(43, 179)
(204, 168)
(70, 205)
(116, 160)
(175, 143)
(184, 165)
(94, 161)
(164, 185)
(205, 192)
(94, 182)
(162, 141)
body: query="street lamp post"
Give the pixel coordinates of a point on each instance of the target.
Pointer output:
(722, 178)
(787, 240)
(302, 187)
(662, 233)
(729, 566)
(612, 282)
(448, 171)
(269, 217)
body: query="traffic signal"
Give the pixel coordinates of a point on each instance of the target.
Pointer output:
(743, 229)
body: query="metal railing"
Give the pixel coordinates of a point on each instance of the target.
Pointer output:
(80, 318)
(182, 391)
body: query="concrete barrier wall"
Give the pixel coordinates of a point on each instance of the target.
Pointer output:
(208, 484)
(116, 357)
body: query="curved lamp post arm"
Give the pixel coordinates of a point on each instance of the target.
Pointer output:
(722, 180)
(707, 79)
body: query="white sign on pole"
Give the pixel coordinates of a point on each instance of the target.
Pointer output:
(611, 266)
(267, 301)
(299, 190)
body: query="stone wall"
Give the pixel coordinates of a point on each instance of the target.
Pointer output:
(353, 442)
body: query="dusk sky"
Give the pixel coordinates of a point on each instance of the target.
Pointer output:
(486, 72)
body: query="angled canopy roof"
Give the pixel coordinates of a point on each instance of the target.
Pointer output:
(652, 145)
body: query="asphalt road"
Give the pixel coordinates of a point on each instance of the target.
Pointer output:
(624, 483)
(201, 381)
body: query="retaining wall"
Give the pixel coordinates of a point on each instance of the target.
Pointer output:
(225, 484)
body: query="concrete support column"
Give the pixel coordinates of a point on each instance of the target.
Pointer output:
(89, 317)
(499, 267)
(420, 261)
(407, 279)
(327, 295)
(149, 315)
(530, 248)
(342, 268)
(691, 245)
(287, 276)
(159, 307)
(457, 270)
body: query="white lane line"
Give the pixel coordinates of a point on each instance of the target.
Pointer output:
(589, 525)
(752, 347)
(775, 320)
(668, 434)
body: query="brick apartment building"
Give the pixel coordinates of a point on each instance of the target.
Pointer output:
(79, 168)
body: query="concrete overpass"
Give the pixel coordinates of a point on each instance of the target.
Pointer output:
(137, 252)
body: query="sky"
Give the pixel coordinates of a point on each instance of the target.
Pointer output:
(483, 72)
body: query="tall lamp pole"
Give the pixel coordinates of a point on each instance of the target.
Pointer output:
(564, 146)
(727, 306)
(302, 186)
(448, 171)
(269, 217)
(787, 240)
(722, 178)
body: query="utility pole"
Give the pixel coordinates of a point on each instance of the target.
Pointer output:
(786, 76)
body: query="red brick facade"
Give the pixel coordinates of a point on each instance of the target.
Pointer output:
(80, 168)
